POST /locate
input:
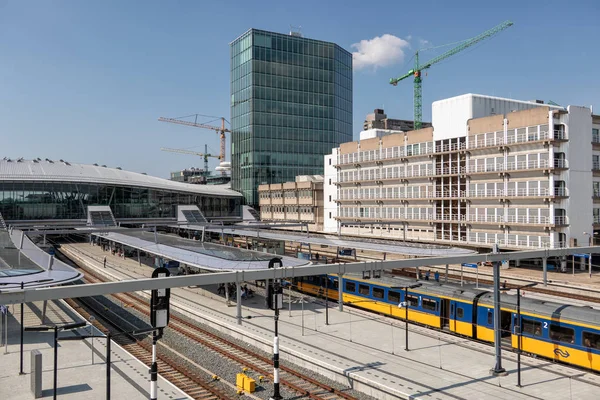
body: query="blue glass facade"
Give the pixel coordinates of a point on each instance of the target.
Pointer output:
(291, 103)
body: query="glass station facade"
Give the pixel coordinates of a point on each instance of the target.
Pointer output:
(64, 200)
(291, 103)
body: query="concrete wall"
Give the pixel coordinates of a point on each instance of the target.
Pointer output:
(450, 116)
(330, 211)
(579, 175)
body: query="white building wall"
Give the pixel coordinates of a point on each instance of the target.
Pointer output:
(579, 175)
(330, 193)
(373, 133)
(450, 116)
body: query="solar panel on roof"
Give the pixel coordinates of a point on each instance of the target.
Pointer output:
(102, 218)
(193, 216)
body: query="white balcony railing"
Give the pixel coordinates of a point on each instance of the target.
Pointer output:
(560, 163)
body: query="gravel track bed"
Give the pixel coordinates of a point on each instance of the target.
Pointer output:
(214, 362)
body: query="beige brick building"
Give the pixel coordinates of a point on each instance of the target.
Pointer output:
(299, 201)
(526, 176)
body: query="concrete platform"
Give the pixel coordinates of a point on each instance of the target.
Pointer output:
(367, 351)
(78, 377)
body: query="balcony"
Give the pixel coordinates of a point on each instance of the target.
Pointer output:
(483, 143)
(560, 163)
(526, 165)
(561, 220)
(446, 194)
(485, 168)
(490, 219)
(449, 171)
(559, 134)
(450, 217)
(527, 220)
(450, 147)
(537, 192)
(524, 138)
(561, 192)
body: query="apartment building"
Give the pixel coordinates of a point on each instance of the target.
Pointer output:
(299, 201)
(490, 170)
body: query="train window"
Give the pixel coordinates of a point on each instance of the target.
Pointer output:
(378, 293)
(336, 284)
(394, 297)
(460, 312)
(490, 316)
(531, 327)
(350, 287)
(562, 333)
(413, 301)
(363, 289)
(429, 304)
(591, 340)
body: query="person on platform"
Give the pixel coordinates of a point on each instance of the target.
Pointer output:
(427, 274)
(436, 276)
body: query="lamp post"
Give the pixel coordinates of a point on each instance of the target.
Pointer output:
(56, 328)
(405, 288)
(22, 285)
(519, 328)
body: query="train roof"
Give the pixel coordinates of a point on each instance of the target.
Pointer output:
(549, 309)
(450, 290)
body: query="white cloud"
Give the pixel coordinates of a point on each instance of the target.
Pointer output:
(380, 51)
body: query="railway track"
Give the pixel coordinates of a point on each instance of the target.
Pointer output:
(304, 385)
(170, 369)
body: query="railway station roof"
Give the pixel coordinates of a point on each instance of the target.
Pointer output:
(47, 170)
(421, 250)
(208, 256)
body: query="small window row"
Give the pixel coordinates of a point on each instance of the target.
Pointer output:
(392, 296)
(560, 333)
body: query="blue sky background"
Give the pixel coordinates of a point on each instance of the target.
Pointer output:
(86, 80)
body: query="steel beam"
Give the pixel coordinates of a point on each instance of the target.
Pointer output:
(100, 289)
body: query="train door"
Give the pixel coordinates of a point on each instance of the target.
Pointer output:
(505, 324)
(445, 313)
(452, 319)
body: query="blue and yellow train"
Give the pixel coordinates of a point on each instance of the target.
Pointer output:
(561, 332)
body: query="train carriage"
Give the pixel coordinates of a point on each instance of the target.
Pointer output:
(565, 333)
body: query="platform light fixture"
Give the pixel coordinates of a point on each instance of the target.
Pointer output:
(405, 288)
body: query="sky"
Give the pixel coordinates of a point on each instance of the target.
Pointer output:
(85, 81)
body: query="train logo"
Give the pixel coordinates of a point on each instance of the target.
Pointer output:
(561, 353)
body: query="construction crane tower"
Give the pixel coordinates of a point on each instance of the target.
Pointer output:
(205, 155)
(220, 130)
(418, 68)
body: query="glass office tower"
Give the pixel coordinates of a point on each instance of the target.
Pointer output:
(291, 103)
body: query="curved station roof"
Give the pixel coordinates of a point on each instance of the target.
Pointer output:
(64, 171)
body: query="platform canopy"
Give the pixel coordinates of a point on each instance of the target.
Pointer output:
(390, 247)
(21, 260)
(208, 256)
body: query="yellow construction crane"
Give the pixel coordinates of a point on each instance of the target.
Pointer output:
(221, 131)
(205, 155)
